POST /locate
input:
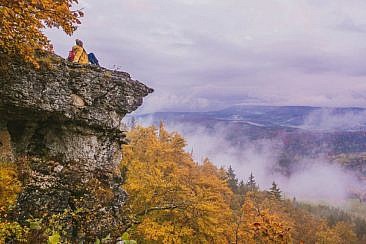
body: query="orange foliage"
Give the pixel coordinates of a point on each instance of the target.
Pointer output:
(261, 225)
(173, 199)
(22, 22)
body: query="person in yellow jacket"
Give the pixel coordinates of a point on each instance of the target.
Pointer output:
(81, 56)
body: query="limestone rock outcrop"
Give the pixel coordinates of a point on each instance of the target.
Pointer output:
(63, 125)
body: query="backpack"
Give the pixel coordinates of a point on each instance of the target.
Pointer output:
(71, 56)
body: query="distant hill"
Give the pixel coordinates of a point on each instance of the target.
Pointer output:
(303, 131)
(301, 117)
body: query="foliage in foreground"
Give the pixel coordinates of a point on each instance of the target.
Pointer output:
(174, 199)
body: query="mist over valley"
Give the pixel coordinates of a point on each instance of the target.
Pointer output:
(314, 154)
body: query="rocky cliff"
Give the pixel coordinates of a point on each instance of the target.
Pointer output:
(62, 125)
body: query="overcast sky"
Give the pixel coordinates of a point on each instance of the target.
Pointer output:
(209, 54)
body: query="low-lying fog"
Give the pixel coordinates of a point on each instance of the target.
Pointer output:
(312, 179)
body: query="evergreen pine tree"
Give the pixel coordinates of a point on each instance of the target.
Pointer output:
(251, 184)
(242, 188)
(275, 191)
(232, 180)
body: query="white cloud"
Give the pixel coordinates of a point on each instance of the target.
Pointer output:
(303, 52)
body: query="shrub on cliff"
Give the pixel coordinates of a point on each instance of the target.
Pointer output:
(9, 188)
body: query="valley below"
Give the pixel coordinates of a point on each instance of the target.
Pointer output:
(324, 147)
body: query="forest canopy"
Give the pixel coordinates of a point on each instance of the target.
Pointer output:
(174, 199)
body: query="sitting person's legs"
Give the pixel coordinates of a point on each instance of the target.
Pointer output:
(93, 59)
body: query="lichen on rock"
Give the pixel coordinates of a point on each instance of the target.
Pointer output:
(62, 123)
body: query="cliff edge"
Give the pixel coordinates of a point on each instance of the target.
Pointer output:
(62, 125)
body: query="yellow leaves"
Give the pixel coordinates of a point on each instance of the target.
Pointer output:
(327, 236)
(345, 232)
(338, 234)
(174, 199)
(9, 189)
(256, 224)
(9, 185)
(22, 23)
(166, 232)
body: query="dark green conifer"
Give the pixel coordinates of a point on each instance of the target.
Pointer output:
(242, 188)
(232, 180)
(251, 184)
(275, 191)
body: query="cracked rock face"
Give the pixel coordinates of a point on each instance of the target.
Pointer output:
(68, 111)
(67, 118)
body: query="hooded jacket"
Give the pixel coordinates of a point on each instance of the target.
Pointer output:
(81, 56)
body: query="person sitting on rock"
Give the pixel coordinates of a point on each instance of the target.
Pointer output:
(80, 55)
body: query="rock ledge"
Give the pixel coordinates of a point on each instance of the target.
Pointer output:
(62, 124)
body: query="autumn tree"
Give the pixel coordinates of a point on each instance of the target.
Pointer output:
(305, 226)
(173, 199)
(261, 225)
(22, 23)
(340, 233)
(345, 232)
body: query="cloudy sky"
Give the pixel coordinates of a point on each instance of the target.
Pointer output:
(209, 54)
